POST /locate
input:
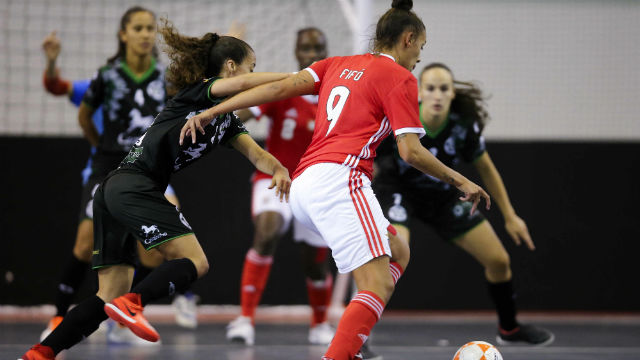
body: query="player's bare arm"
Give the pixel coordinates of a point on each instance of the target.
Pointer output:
(301, 83)
(414, 154)
(51, 47)
(515, 226)
(86, 124)
(266, 163)
(236, 84)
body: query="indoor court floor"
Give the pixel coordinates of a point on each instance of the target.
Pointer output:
(398, 336)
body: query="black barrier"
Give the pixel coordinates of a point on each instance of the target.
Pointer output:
(579, 199)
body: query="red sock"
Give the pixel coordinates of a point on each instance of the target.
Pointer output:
(319, 292)
(396, 271)
(254, 278)
(356, 323)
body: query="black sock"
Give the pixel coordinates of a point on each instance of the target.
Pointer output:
(167, 279)
(79, 323)
(141, 273)
(504, 300)
(71, 279)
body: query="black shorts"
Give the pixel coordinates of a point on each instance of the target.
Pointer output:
(130, 207)
(88, 190)
(448, 216)
(100, 168)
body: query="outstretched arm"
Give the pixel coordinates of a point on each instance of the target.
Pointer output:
(299, 84)
(515, 226)
(412, 151)
(236, 84)
(266, 163)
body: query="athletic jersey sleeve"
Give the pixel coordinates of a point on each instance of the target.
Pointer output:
(317, 70)
(401, 108)
(474, 144)
(94, 95)
(78, 89)
(256, 111)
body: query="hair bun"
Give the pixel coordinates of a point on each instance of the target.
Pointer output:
(402, 4)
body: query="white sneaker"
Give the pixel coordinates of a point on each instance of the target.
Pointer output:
(185, 310)
(321, 334)
(121, 335)
(241, 330)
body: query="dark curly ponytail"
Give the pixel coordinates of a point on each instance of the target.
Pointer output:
(194, 59)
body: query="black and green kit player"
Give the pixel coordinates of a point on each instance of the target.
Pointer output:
(405, 192)
(123, 215)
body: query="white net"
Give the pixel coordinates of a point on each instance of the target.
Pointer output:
(87, 30)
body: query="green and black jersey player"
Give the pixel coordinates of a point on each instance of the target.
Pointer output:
(453, 116)
(127, 94)
(129, 103)
(129, 205)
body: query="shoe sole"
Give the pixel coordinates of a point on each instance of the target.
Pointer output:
(239, 340)
(123, 319)
(503, 342)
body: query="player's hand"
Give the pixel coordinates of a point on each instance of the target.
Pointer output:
(51, 46)
(282, 183)
(474, 193)
(517, 229)
(197, 123)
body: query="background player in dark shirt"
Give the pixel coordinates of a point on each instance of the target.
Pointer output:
(129, 204)
(136, 49)
(453, 117)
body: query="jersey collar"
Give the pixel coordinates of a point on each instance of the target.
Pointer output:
(387, 55)
(433, 134)
(141, 78)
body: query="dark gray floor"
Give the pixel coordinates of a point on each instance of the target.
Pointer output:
(393, 338)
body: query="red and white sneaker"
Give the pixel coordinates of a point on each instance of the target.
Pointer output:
(38, 352)
(127, 310)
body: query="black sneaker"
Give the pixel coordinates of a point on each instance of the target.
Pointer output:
(528, 334)
(367, 354)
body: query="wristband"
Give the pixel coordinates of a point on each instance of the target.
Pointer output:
(55, 85)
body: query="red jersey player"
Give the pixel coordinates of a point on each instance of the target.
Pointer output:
(362, 99)
(290, 130)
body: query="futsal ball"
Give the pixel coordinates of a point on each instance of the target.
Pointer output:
(477, 350)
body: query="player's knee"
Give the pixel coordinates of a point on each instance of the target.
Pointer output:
(202, 265)
(83, 246)
(266, 241)
(499, 263)
(82, 251)
(400, 250)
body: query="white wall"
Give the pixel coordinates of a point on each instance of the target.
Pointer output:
(554, 69)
